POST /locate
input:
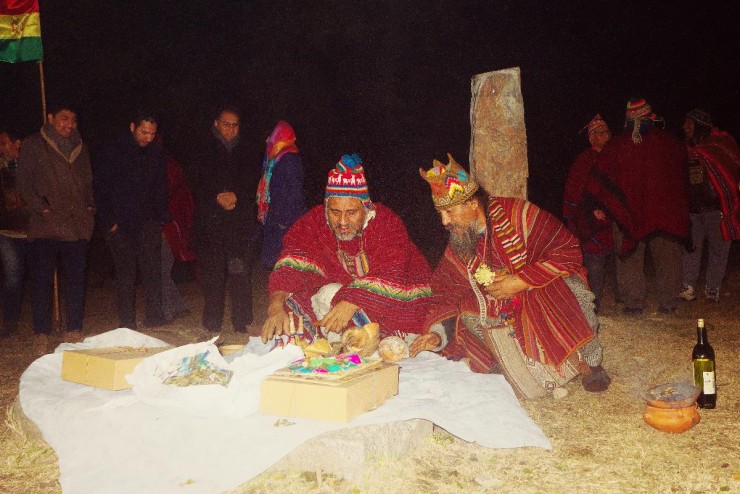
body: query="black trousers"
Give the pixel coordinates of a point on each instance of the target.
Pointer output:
(142, 250)
(220, 272)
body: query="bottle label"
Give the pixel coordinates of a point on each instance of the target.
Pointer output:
(704, 375)
(709, 383)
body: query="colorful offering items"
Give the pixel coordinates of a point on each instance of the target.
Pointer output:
(296, 336)
(326, 365)
(197, 370)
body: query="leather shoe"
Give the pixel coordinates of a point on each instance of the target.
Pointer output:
(597, 381)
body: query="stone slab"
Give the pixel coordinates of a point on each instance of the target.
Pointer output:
(498, 137)
(349, 453)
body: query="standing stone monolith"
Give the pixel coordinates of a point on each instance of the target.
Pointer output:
(498, 140)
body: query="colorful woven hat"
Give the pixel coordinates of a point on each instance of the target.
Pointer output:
(638, 110)
(700, 117)
(596, 123)
(347, 179)
(451, 184)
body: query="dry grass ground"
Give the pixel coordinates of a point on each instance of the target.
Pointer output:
(600, 442)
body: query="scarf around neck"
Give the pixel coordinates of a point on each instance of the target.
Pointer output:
(281, 142)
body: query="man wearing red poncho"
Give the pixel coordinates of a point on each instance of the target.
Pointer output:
(348, 262)
(510, 266)
(641, 180)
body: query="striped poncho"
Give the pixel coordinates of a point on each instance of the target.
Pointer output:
(391, 285)
(547, 319)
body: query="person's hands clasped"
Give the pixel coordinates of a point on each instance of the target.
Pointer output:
(227, 200)
(506, 286)
(338, 317)
(423, 343)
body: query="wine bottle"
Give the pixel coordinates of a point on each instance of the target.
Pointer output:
(704, 368)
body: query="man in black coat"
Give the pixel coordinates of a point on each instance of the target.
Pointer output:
(224, 177)
(130, 186)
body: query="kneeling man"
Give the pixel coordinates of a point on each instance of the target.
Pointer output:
(348, 262)
(511, 266)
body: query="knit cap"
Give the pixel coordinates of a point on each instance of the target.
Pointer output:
(347, 179)
(700, 117)
(637, 110)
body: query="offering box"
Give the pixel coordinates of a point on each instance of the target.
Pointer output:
(104, 367)
(334, 400)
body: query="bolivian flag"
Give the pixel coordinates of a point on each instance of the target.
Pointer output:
(20, 31)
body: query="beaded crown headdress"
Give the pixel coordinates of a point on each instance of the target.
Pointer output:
(450, 183)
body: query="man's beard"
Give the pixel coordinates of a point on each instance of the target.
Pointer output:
(464, 241)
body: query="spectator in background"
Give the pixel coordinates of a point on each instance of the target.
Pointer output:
(280, 197)
(714, 164)
(641, 181)
(224, 184)
(131, 193)
(584, 220)
(175, 238)
(55, 181)
(13, 233)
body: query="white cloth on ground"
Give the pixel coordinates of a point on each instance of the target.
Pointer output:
(114, 442)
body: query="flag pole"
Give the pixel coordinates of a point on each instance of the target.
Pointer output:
(57, 316)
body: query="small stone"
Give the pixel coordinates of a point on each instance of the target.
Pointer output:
(559, 393)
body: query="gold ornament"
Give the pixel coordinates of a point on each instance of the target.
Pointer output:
(484, 275)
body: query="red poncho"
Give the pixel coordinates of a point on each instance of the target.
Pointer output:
(595, 235)
(394, 290)
(644, 186)
(547, 318)
(718, 154)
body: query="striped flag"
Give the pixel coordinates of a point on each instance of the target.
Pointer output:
(20, 31)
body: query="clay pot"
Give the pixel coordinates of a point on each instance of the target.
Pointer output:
(674, 420)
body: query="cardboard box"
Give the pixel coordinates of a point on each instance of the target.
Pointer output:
(104, 367)
(334, 401)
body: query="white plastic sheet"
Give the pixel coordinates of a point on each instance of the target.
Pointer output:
(123, 442)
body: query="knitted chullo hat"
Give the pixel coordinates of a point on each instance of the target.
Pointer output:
(451, 184)
(638, 110)
(700, 117)
(596, 123)
(347, 179)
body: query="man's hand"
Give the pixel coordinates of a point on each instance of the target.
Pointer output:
(506, 286)
(338, 317)
(114, 228)
(227, 200)
(277, 322)
(423, 343)
(599, 215)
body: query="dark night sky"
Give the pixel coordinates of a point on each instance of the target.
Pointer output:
(388, 79)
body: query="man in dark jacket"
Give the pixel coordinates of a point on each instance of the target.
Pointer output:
(225, 176)
(131, 193)
(55, 182)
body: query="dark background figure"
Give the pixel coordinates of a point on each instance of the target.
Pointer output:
(13, 233)
(642, 182)
(583, 219)
(224, 176)
(176, 238)
(55, 182)
(280, 197)
(714, 205)
(131, 194)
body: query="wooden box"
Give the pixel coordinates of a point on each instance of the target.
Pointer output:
(331, 400)
(104, 367)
